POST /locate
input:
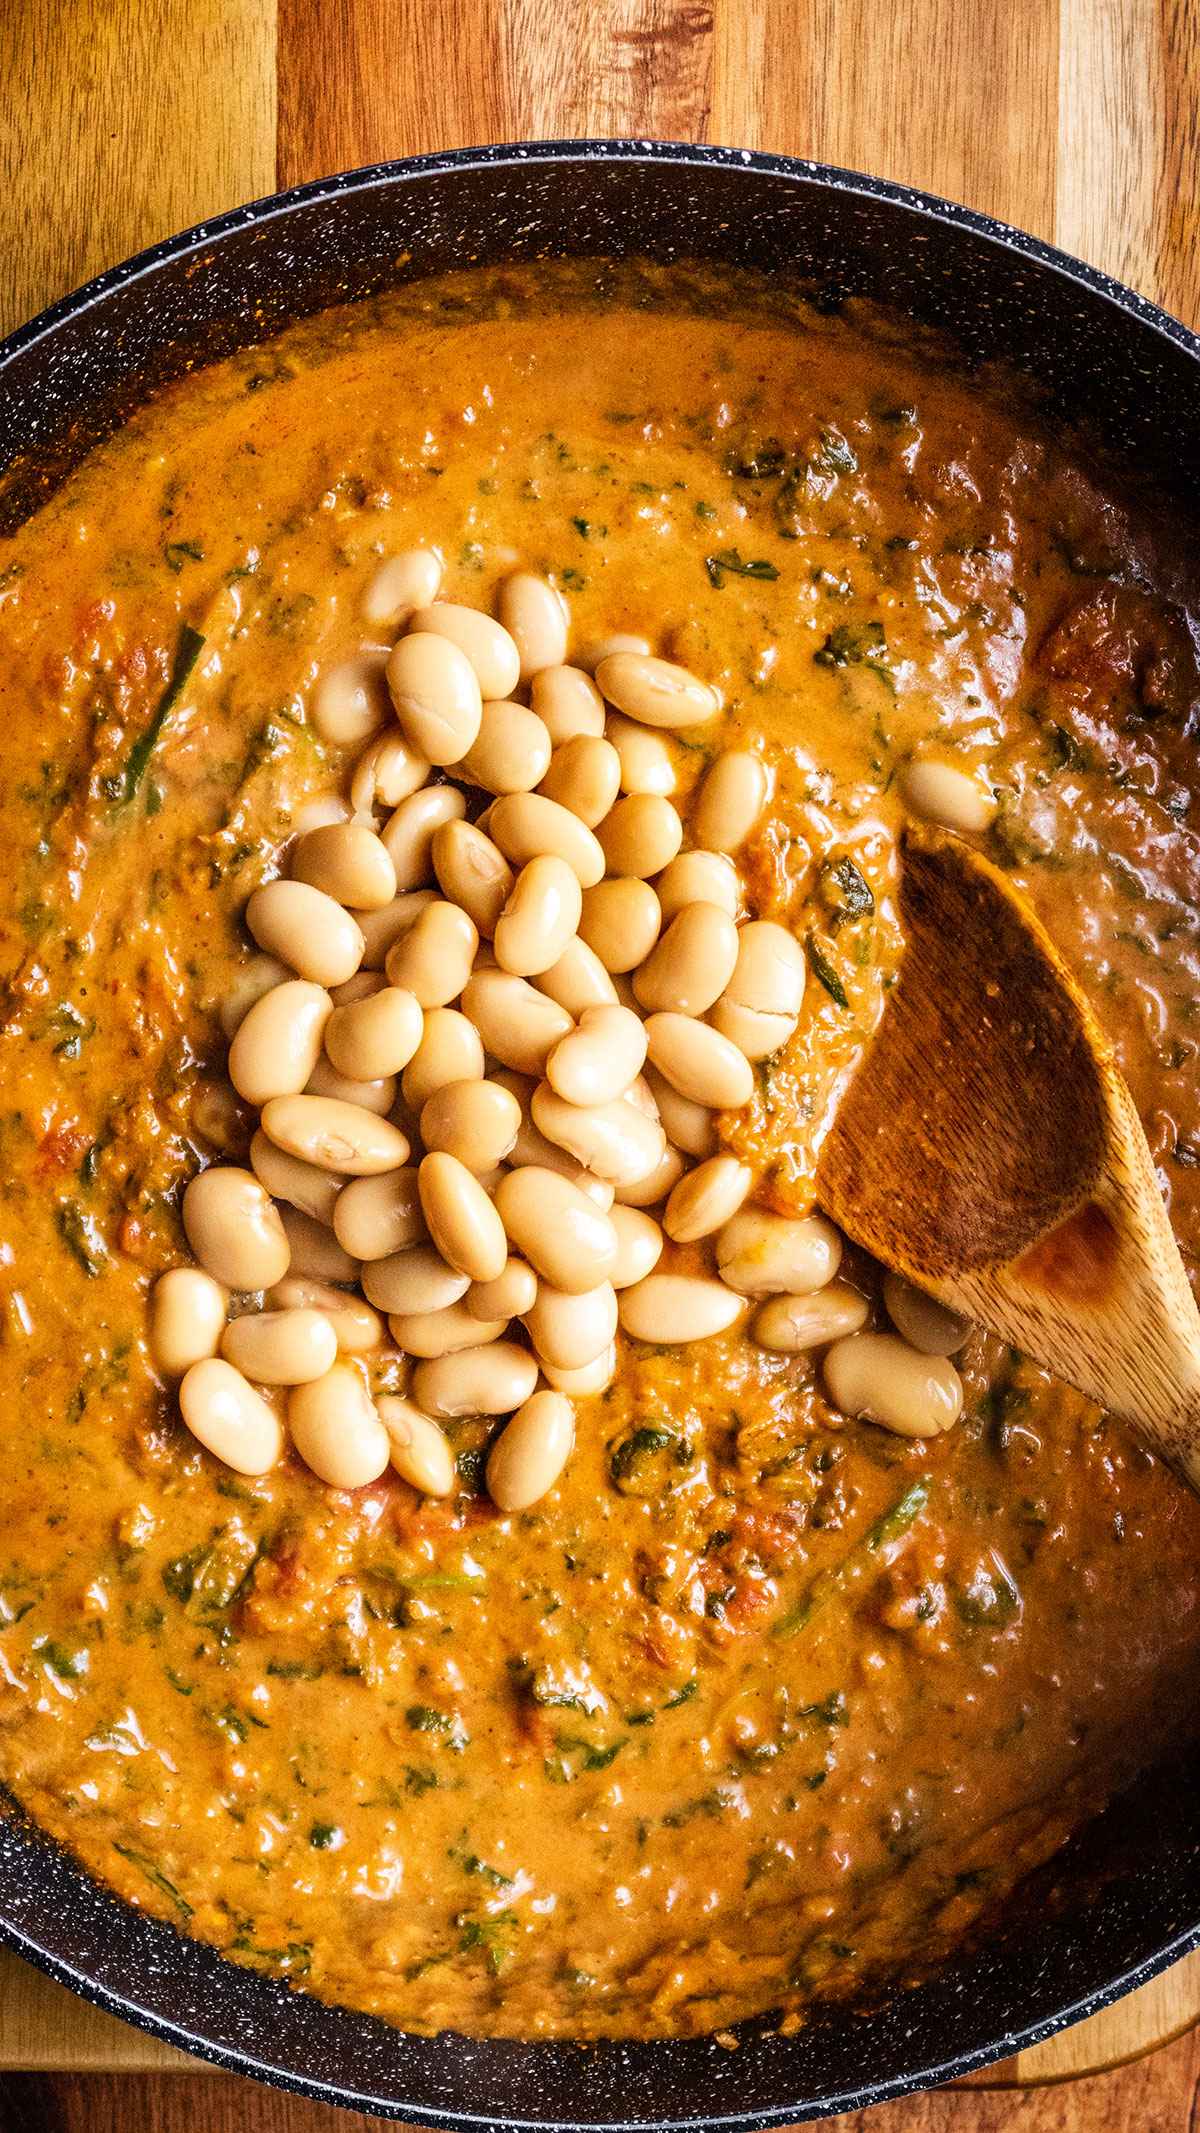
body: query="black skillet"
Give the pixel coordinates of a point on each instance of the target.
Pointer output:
(1124, 1900)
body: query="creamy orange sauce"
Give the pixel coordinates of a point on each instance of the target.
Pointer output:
(758, 1702)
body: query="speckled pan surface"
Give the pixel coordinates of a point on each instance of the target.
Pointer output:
(1125, 1899)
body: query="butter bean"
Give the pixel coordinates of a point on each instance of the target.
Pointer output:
(460, 1218)
(409, 832)
(578, 979)
(879, 1377)
(644, 758)
(510, 1295)
(654, 691)
(596, 1063)
(347, 861)
(472, 872)
(590, 1378)
(531, 1146)
(492, 1380)
(531, 1451)
(280, 1347)
(336, 1430)
(640, 835)
(449, 1050)
(306, 930)
(764, 1254)
(251, 983)
(614, 1140)
(699, 1062)
(301, 1184)
(318, 812)
(229, 1418)
(376, 1096)
(699, 878)
(567, 1239)
(657, 1183)
(639, 1246)
(477, 1121)
(689, 1125)
(793, 1324)
(278, 1043)
(420, 1452)
(415, 1280)
(526, 825)
(584, 776)
(946, 793)
(334, 1135)
(570, 1329)
(691, 965)
(511, 751)
(350, 703)
(187, 1319)
(492, 653)
(568, 702)
(357, 1327)
(927, 1325)
(445, 1332)
(671, 1309)
(398, 585)
(387, 771)
(370, 1039)
(518, 1026)
(313, 1248)
(707, 1198)
(535, 616)
(362, 986)
(435, 693)
(620, 922)
(432, 961)
(731, 798)
(376, 1216)
(540, 917)
(381, 929)
(759, 1008)
(234, 1229)
(606, 647)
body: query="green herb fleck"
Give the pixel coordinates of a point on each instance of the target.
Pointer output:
(326, 1837)
(823, 970)
(81, 1235)
(729, 563)
(187, 652)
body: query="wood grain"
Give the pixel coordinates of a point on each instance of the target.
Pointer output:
(1158, 2095)
(896, 90)
(109, 141)
(124, 119)
(1127, 193)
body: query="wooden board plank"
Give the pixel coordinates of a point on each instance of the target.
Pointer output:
(114, 134)
(896, 90)
(1128, 191)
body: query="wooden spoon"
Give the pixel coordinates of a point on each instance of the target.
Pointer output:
(988, 1148)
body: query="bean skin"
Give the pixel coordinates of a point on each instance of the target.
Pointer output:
(531, 1451)
(229, 1418)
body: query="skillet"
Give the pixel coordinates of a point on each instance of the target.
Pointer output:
(1123, 1900)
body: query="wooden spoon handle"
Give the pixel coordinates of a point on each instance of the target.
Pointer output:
(1103, 1300)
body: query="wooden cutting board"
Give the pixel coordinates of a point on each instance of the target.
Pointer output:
(122, 122)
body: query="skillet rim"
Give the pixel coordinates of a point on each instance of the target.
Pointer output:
(15, 1829)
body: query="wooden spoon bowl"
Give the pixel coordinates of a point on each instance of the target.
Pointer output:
(989, 1149)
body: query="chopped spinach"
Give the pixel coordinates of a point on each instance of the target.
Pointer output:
(729, 563)
(187, 652)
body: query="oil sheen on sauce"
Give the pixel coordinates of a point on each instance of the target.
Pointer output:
(758, 1703)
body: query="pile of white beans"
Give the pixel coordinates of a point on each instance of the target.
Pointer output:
(488, 1058)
